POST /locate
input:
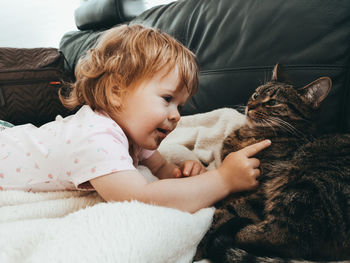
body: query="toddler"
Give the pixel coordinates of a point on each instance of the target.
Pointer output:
(130, 87)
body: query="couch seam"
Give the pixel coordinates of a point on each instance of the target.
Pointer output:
(295, 67)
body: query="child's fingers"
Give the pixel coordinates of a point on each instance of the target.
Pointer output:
(256, 173)
(253, 149)
(196, 169)
(177, 173)
(255, 163)
(187, 168)
(191, 168)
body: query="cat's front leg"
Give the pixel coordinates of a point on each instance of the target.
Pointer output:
(223, 239)
(267, 238)
(221, 216)
(232, 214)
(225, 211)
(261, 239)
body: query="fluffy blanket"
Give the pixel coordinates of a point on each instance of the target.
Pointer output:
(79, 227)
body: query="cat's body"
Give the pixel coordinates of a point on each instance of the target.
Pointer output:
(301, 208)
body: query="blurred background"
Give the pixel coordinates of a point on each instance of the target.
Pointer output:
(35, 23)
(40, 23)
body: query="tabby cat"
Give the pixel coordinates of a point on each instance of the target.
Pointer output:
(301, 208)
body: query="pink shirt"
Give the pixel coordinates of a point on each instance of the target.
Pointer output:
(64, 154)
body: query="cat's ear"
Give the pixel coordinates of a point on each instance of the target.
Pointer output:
(278, 74)
(316, 91)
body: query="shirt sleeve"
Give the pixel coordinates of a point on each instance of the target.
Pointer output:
(100, 153)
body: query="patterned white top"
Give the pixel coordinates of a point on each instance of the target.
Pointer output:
(64, 154)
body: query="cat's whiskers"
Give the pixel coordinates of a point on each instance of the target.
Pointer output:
(270, 124)
(284, 127)
(263, 121)
(288, 127)
(273, 122)
(259, 117)
(278, 122)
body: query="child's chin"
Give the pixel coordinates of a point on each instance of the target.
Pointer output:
(152, 143)
(153, 146)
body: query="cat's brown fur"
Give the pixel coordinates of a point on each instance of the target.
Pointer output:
(301, 208)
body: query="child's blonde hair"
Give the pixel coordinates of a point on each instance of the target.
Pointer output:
(122, 57)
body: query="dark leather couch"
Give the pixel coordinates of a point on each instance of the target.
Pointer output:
(238, 42)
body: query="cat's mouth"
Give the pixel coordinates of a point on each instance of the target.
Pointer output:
(255, 119)
(251, 122)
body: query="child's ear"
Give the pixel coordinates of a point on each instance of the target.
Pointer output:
(316, 91)
(117, 102)
(278, 74)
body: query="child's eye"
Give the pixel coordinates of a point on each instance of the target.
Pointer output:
(167, 98)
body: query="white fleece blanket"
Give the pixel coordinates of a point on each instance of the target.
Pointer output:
(79, 227)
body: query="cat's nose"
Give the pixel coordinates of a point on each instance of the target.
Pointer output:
(252, 105)
(249, 113)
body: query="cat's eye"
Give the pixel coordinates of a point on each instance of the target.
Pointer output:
(255, 96)
(272, 103)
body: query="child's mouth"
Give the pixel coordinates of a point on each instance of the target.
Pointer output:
(162, 131)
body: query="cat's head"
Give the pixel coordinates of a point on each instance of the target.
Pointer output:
(281, 106)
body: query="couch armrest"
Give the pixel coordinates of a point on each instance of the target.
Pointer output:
(98, 14)
(101, 14)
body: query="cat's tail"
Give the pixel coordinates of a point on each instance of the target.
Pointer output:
(236, 255)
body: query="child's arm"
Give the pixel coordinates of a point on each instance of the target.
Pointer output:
(237, 172)
(163, 169)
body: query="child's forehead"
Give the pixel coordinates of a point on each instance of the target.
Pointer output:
(169, 76)
(169, 71)
(174, 81)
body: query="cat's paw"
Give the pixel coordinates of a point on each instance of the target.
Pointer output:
(234, 225)
(224, 238)
(217, 248)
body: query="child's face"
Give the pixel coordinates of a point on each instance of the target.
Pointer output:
(151, 110)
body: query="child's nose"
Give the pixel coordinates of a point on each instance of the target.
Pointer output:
(174, 115)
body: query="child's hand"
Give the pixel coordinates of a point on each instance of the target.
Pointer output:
(189, 168)
(239, 170)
